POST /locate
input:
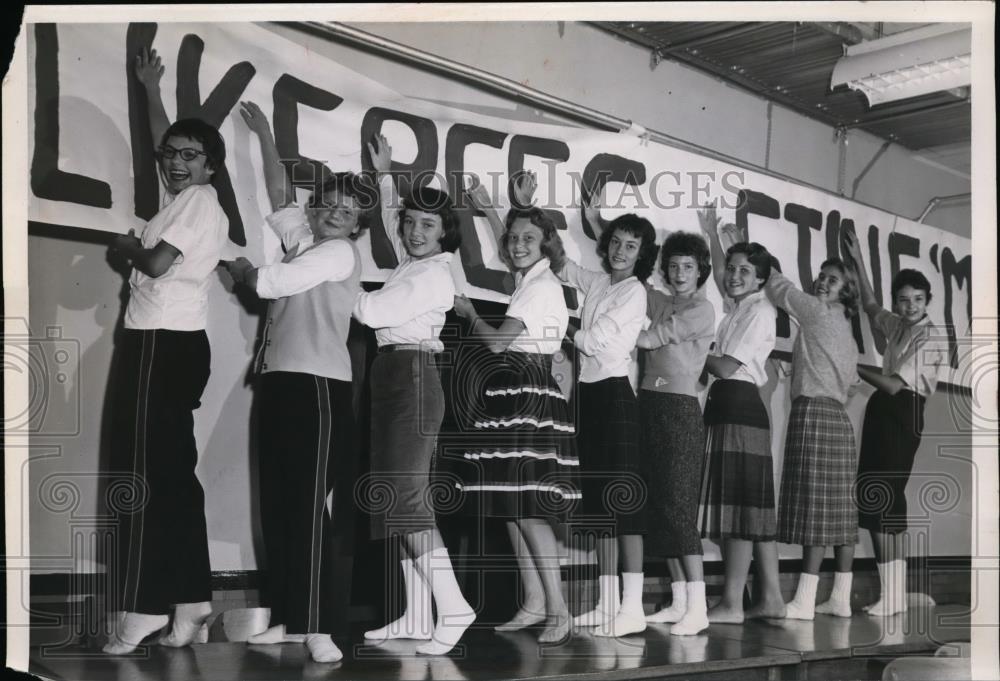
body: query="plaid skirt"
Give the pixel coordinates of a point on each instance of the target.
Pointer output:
(523, 463)
(607, 436)
(737, 489)
(817, 484)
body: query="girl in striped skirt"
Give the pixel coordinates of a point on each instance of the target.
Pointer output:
(817, 482)
(526, 465)
(737, 493)
(894, 420)
(306, 426)
(614, 494)
(682, 327)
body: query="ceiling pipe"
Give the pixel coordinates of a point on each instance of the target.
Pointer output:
(937, 200)
(868, 166)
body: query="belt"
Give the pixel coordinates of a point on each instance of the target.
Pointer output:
(404, 346)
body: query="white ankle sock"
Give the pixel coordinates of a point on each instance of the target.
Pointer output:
(695, 619)
(188, 621)
(454, 614)
(608, 604)
(275, 634)
(131, 630)
(893, 598)
(678, 604)
(839, 603)
(630, 618)
(322, 648)
(803, 606)
(417, 621)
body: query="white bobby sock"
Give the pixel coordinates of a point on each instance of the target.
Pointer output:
(803, 606)
(695, 620)
(678, 605)
(322, 648)
(608, 604)
(839, 603)
(630, 618)
(417, 621)
(131, 631)
(275, 634)
(455, 615)
(188, 621)
(893, 598)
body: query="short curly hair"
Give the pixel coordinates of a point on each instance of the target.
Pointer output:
(552, 245)
(689, 244)
(636, 226)
(849, 292)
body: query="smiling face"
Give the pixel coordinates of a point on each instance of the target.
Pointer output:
(623, 252)
(334, 217)
(422, 233)
(828, 284)
(179, 174)
(524, 243)
(911, 303)
(741, 277)
(682, 274)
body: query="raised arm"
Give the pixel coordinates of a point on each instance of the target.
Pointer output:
(868, 301)
(786, 295)
(480, 197)
(389, 200)
(709, 220)
(280, 191)
(496, 339)
(149, 71)
(592, 214)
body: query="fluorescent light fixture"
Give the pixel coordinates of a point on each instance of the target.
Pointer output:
(907, 64)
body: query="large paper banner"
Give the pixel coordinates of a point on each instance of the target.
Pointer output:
(93, 167)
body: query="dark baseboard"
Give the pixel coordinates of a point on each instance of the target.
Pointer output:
(64, 583)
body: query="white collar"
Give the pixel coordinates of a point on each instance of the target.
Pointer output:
(533, 272)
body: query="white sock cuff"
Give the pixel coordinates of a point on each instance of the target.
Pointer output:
(806, 589)
(808, 580)
(696, 589)
(632, 580)
(842, 580)
(678, 588)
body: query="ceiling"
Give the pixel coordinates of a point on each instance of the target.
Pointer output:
(790, 63)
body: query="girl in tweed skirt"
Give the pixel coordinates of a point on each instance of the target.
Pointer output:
(816, 507)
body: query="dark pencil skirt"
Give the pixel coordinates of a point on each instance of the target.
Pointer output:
(407, 409)
(890, 438)
(673, 454)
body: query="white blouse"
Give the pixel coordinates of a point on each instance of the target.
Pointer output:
(612, 317)
(539, 304)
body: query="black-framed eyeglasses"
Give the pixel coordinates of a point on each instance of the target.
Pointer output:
(187, 153)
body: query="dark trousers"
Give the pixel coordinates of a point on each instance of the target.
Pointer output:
(162, 542)
(307, 448)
